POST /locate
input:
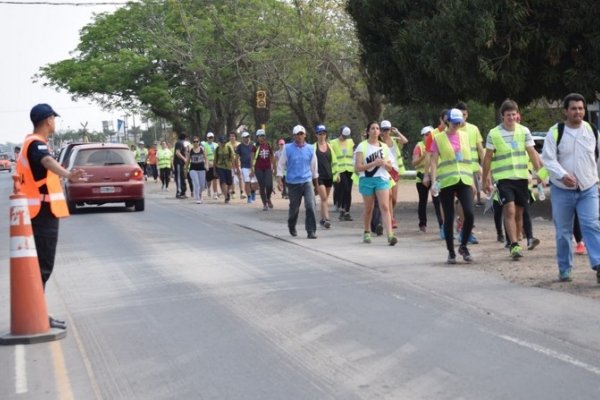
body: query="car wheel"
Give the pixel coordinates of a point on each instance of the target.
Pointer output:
(139, 205)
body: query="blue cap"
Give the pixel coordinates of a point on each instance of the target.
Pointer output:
(320, 128)
(40, 112)
(222, 139)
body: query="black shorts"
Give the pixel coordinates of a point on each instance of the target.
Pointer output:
(326, 182)
(515, 190)
(210, 175)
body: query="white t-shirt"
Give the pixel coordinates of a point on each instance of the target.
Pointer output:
(373, 153)
(508, 138)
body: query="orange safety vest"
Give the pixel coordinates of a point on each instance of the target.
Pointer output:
(31, 188)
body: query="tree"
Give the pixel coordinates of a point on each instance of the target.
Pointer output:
(438, 51)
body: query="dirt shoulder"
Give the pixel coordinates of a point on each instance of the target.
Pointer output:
(536, 269)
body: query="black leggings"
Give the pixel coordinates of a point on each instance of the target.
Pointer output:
(345, 188)
(423, 192)
(265, 183)
(464, 193)
(165, 176)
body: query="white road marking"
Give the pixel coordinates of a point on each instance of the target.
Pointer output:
(553, 354)
(20, 370)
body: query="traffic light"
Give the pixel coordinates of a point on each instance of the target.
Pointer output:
(261, 99)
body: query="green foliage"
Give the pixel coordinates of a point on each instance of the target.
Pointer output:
(434, 51)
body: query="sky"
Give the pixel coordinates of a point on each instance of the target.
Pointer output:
(33, 36)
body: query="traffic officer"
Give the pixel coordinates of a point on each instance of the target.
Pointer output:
(39, 174)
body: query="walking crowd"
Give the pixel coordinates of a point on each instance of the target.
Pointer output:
(452, 164)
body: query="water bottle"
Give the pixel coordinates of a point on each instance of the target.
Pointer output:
(435, 189)
(541, 193)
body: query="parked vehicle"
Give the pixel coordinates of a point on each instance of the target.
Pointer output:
(65, 153)
(5, 163)
(112, 176)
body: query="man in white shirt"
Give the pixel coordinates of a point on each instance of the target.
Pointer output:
(574, 184)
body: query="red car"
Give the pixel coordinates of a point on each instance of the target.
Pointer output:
(111, 176)
(5, 164)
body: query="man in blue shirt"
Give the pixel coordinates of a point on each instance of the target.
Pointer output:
(299, 161)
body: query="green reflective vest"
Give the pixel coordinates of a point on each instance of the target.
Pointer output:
(210, 151)
(452, 169)
(474, 135)
(344, 154)
(421, 167)
(399, 159)
(141, 154)
(510, 159)
(164, 157)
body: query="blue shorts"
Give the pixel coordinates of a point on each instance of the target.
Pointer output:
(225, 176)
(368, 186)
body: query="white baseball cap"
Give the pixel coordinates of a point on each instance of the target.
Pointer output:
(297, 129)
(455, 116)
(346, 131)
(385, 124)
(210, 134)
(245, 134)
(426, 130)
(261, 132)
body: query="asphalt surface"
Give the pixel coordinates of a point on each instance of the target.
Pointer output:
(187, 301)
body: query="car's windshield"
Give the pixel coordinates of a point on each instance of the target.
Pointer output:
(100, 157)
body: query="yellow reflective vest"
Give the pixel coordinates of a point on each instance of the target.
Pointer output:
(165, 158)
(474, 135)
(344, 153)
(509, 160)
(452, 168)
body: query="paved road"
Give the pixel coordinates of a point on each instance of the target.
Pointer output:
(209, 302)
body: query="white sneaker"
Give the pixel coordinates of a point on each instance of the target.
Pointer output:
(215, 196)
(198, 201)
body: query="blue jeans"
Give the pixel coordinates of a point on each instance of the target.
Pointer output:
(295, 192)
(564, 205)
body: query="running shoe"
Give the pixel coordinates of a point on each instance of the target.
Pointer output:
(367, 237)
(265, 208)
(270, 203)
(473, 239)
(423, 228)
(580, 249)
(327, 224)
(464, 252)
(500, 238)
(392, 240)
(451, 258)
(516, 252)
(532, 243)
(565, 276)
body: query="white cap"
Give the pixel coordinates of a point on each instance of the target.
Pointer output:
(210, 134)
(298, 128)
(261, 132)
(141, 142)
(346, 131)
(385, 124)
(245, 134)
(455, 116)
(426, 130)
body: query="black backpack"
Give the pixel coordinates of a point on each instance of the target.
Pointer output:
(561, 130)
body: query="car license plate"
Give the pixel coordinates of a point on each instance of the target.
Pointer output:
(107, 189)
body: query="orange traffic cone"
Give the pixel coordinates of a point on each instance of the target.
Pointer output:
(28, 311)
